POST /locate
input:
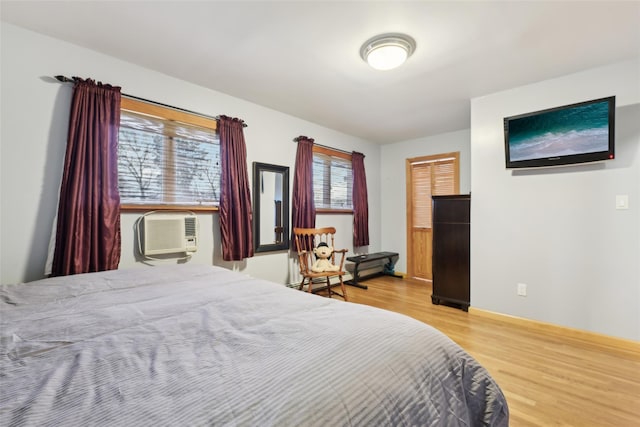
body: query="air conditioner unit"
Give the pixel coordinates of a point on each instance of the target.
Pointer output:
(167, 233)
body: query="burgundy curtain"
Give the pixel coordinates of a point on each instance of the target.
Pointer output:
(303, 212)
(236, 215)
(360, 201)
(88, 227)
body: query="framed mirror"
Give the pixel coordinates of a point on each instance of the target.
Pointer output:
(270, 207)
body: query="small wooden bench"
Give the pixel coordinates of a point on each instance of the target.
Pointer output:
(367, 258)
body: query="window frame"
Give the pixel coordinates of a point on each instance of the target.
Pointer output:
(343, 155)
(167, 113)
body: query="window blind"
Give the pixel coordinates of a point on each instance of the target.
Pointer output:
(167, 162)
(332, 182)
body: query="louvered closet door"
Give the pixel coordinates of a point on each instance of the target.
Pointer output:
(426, 176)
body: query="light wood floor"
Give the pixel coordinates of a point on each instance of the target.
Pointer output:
(550, 376)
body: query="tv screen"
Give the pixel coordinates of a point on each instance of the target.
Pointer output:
(576, 133)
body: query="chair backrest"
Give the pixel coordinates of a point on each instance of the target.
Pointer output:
(306, 239)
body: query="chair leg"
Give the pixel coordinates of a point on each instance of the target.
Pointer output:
(304, 279)
(344, 289)
(329, 287)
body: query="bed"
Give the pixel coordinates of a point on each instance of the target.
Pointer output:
(194, 345)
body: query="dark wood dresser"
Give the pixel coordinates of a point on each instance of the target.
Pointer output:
(451, 237)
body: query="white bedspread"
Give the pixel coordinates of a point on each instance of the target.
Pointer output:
(189, 345)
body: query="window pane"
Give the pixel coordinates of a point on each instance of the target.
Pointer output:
(341, 182)
(140, 166)
(321, 177)
(198, 172)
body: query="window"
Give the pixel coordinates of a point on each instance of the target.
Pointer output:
(332, 180)
(167, 158)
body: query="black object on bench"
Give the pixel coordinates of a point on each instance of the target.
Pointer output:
(363, 259)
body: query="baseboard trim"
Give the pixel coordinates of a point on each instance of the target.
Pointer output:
(594, 337)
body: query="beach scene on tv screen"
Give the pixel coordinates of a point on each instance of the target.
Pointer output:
(576, 130)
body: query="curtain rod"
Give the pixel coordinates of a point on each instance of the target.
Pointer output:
(327, 147)
(64, 79)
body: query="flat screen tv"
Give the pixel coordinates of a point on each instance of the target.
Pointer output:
(576, 133)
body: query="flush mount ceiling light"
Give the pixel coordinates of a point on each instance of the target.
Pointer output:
(387, 51)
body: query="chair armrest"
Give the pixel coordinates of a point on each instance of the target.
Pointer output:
(344, 254)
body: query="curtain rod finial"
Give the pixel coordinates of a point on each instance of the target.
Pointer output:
(63, 79)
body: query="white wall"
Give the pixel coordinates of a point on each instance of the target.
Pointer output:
(393, 185)
(557, 229)
(35, 111)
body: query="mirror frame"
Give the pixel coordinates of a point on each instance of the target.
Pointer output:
(284, 170)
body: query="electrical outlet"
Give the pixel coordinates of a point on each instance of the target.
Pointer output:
(622, 201)
(522, 289)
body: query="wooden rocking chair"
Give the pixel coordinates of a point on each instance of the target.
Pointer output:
(306, 239)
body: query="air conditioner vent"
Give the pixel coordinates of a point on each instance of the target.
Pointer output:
(167, 233)
(190, 226)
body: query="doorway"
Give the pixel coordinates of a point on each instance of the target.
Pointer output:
(426, 176)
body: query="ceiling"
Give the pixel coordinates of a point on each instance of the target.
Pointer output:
(302, 58)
